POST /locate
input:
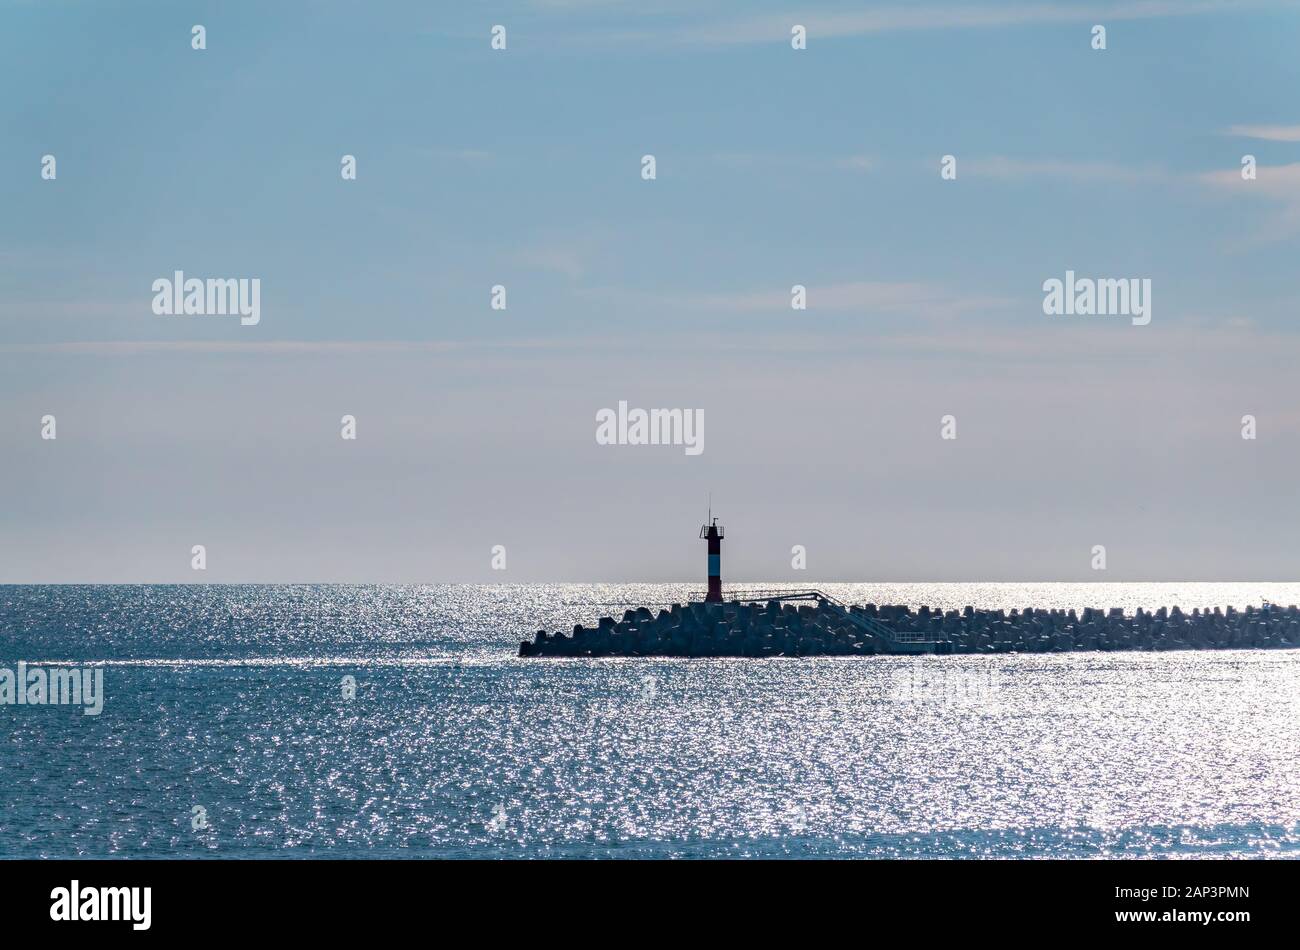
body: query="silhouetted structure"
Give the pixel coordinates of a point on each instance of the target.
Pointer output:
(768, 623)
(778, 628)
(713, 534)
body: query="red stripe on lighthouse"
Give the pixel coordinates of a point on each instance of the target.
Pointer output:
(715, 564)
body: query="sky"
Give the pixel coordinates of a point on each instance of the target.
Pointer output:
(523, 168)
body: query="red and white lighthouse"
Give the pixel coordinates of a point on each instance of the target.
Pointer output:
(713, 534)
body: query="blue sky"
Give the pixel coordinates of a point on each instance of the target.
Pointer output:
(775, 167)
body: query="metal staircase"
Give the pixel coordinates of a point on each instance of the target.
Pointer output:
(899, 641)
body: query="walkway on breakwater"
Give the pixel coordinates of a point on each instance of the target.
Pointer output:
(811, 623)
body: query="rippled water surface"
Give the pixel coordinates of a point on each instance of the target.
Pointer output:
(229, 699)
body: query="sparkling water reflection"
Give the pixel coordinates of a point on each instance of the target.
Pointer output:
(230, 698)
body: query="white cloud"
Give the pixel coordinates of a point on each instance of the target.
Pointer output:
(870, 298)
(1011, 168)
(1280, 181)
(1279, 184)
(828, 24)
(569, 255)
(1271, 133)
(856, 163)
(271, 347)
(74, 309)
(569, 261)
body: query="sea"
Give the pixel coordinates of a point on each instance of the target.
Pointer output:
(337, 721)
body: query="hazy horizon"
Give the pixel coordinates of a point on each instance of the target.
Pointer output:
(776, 167)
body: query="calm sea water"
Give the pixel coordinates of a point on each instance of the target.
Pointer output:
(229, 700)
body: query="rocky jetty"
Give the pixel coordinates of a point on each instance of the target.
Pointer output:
(777, 628)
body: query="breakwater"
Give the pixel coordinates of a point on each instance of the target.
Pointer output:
(827, 628)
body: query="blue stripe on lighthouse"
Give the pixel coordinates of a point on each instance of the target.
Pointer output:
(715, 565)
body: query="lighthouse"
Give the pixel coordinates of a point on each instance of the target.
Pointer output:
(713, 534)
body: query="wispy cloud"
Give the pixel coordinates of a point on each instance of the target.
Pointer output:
(883, 298)
(916, 16)
(569, 261)
(1279, 181)
(567, 254)
(855, 163)
(1279, 184)
(864, 296)
(79, 308)
(1270, 133)
(1012, 168)
(1276, 184)
(272, 347)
